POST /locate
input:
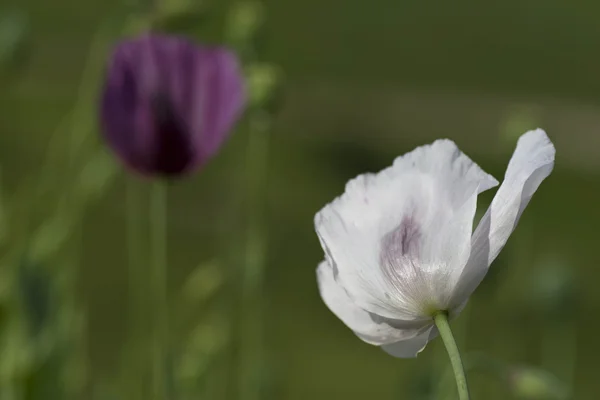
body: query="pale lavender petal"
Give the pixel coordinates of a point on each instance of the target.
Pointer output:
(412, 347)
(398, 237)
(367, 326)
(531, 163)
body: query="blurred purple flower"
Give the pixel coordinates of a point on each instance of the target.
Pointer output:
(168, 104)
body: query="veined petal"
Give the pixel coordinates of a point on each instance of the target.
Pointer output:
(412, 347)
(531, 163)
(369, 327)
(397, 237)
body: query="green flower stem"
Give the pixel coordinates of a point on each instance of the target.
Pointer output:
(252, 345)
(441, 321)
(475, 362)
(462, 328)
(158, 221)
(136, 272)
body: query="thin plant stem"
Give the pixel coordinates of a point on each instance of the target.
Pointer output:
(441, 321)
(158, 221)
(252, 344)
(136, 271)
(441, 386)
(475, 362)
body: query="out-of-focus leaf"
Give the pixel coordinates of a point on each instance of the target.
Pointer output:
(96, 175)
(14, 31)
(35, 293)
(201, 349)
(17, 354)
(203, 283)
(50, 237)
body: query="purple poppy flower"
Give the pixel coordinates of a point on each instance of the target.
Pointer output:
(168, 104)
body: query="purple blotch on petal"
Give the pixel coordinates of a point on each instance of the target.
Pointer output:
(400, 249)
(404, 239)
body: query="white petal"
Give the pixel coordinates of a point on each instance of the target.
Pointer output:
(531, 163)
(397, 237)
(369, 327)
(412, 347)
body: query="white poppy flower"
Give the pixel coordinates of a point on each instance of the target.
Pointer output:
(399, 245)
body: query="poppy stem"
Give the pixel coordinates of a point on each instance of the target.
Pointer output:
(441, 321)
(252, 340)
(136, 271)
(158, 221)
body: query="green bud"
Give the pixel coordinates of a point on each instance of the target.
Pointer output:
(264, 83)
(245, 20)
(535, 384)
(519, 119)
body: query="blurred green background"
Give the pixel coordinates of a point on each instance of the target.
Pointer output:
(364, 82)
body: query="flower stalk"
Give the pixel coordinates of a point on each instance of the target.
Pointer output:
(137, 312)
(252, 346)
(158, 204)
(246, 19)
(441, 322)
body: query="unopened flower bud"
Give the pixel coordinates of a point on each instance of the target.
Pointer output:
(168, 104)
(264, 83)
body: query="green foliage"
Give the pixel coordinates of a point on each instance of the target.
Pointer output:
(331, 129)
(14, 40)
